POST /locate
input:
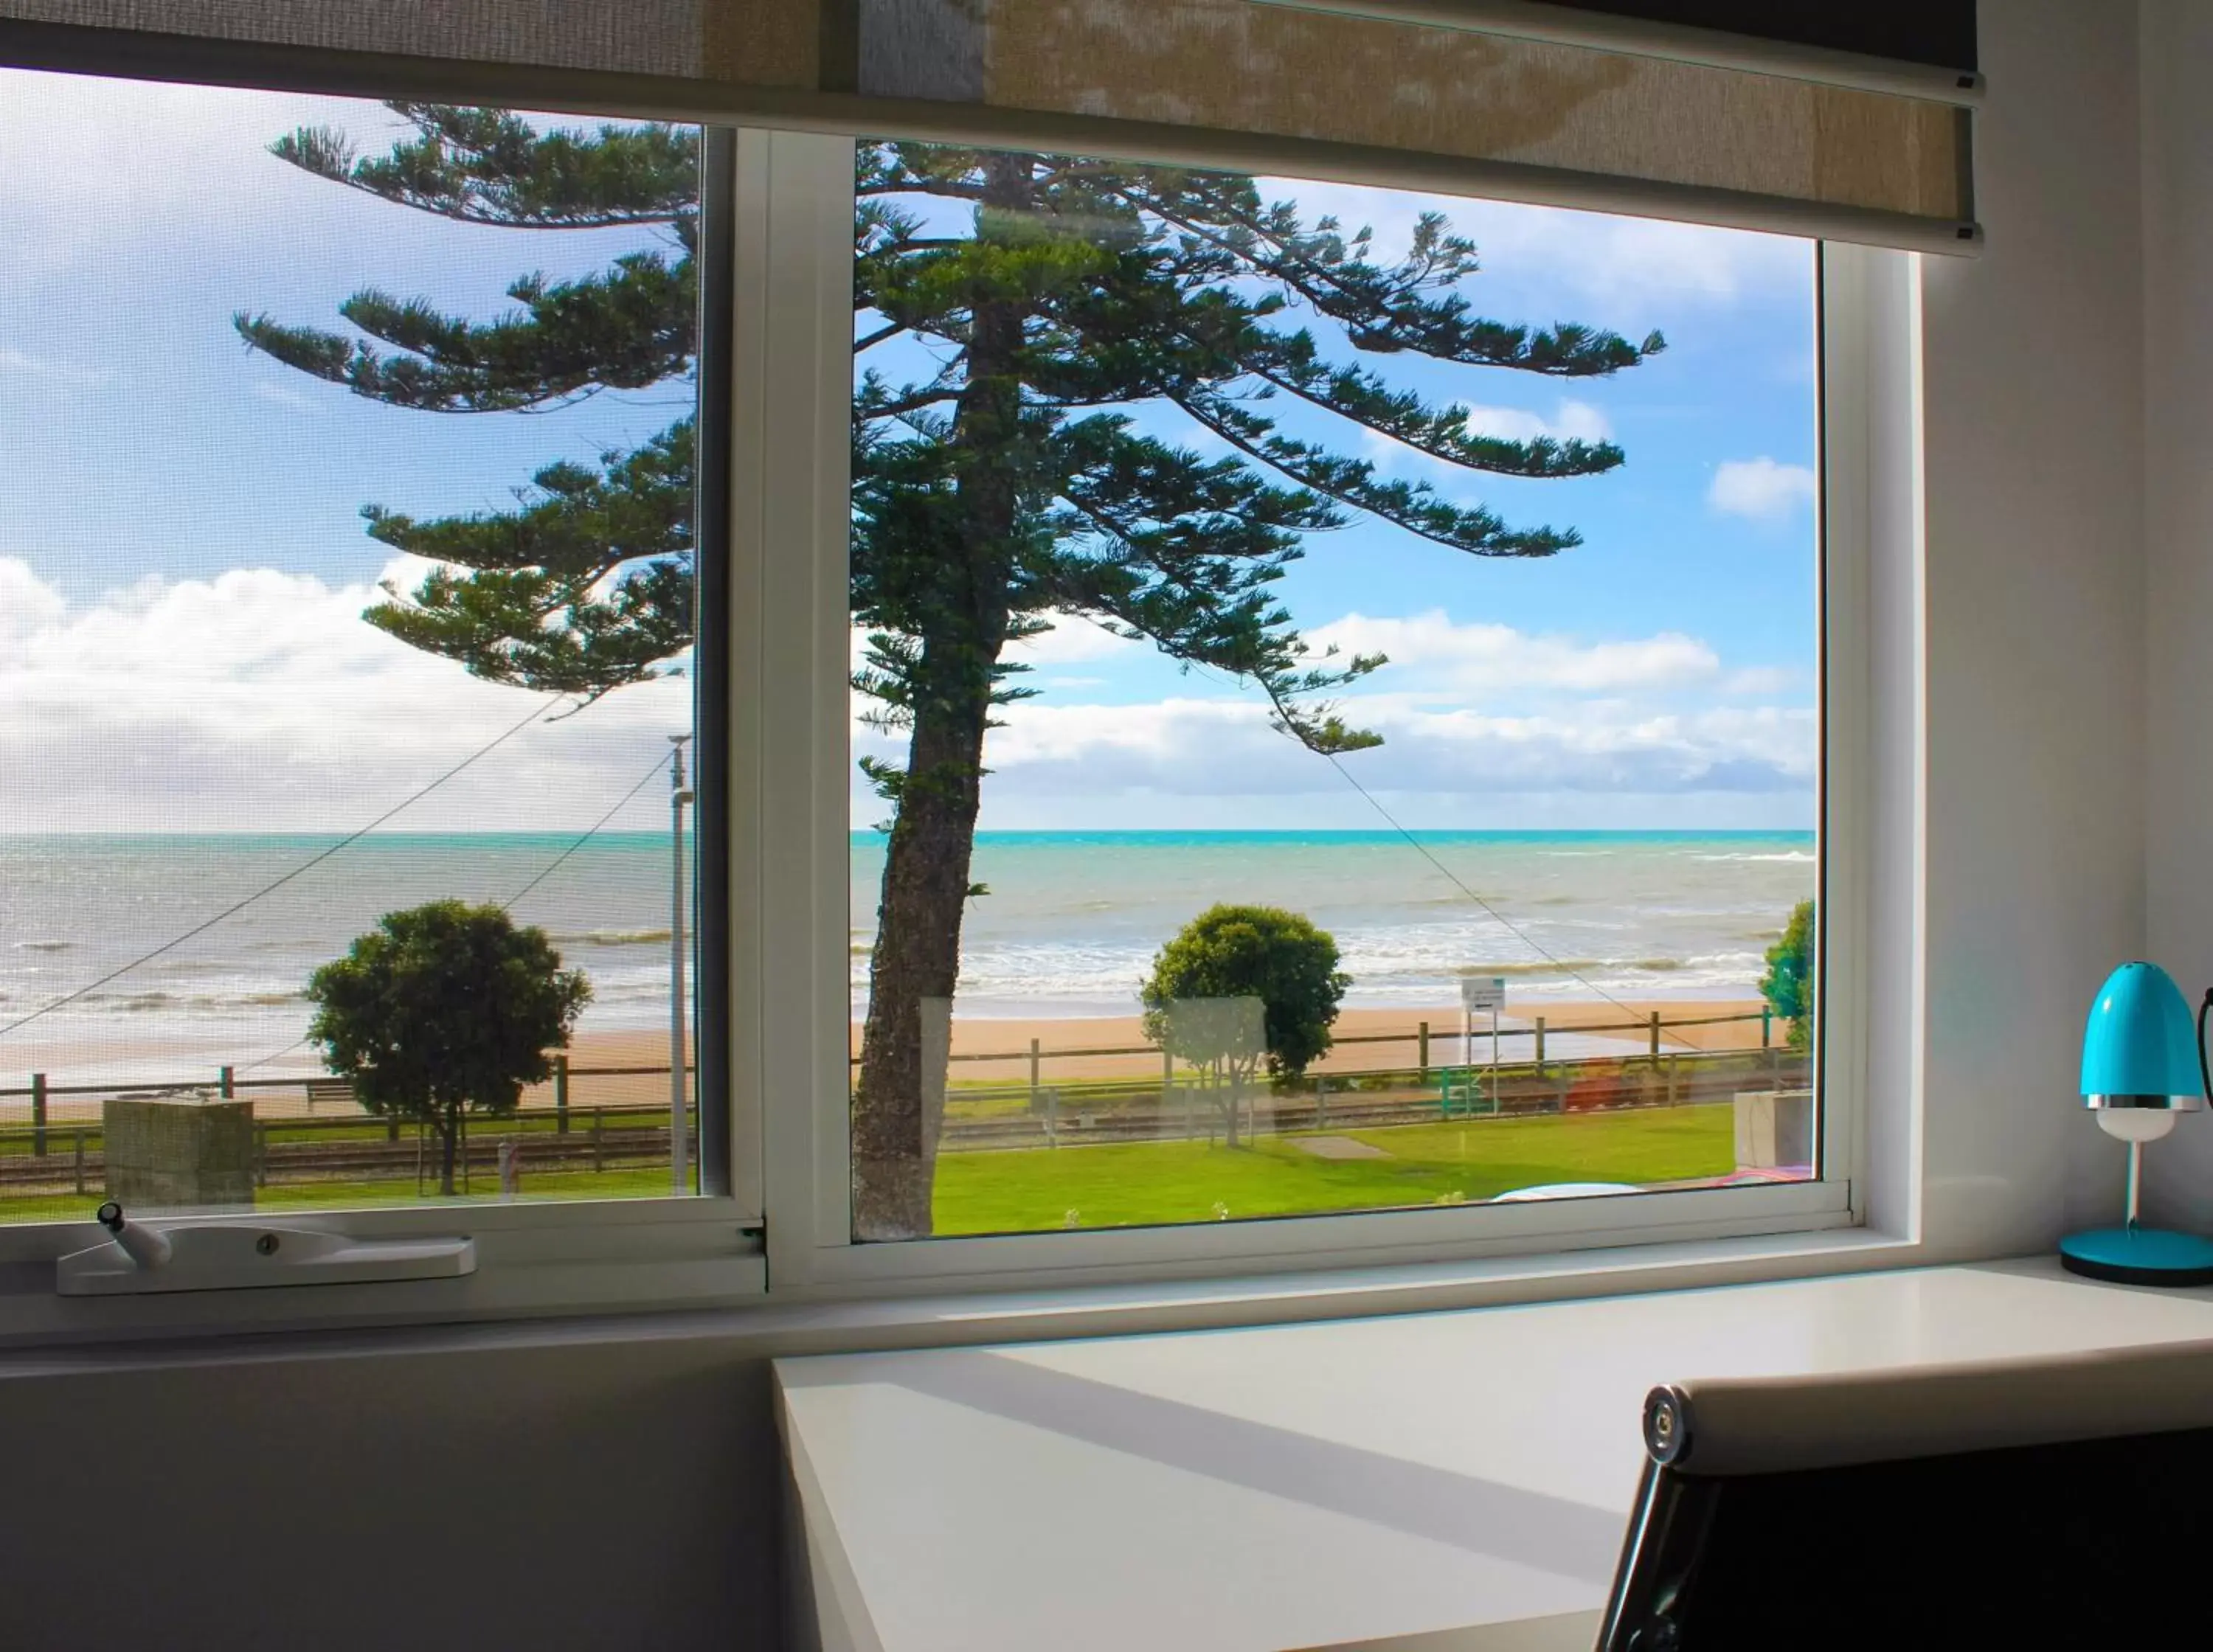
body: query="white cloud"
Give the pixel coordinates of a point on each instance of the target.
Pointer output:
(1072, 640)
(283, 395)
(89, 167)
(1552, 715)
(1761, 679)
(1637, 263)
(1759, 488)
(1429, 649)
(259, 700)
(21, 364)
(27, 603)
(1203, 747)
(1575, 421)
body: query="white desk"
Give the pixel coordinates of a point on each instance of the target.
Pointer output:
(1425, 1482)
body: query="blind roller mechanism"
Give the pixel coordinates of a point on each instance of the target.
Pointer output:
(1565, 105)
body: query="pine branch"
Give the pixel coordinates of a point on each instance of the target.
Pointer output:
(492, 167)
(629, 328)
(1414, 506)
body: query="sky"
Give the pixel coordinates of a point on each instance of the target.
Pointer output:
(183, 565)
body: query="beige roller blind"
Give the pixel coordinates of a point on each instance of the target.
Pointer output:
(1497, 111)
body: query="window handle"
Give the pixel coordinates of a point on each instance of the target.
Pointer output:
(140, 1257)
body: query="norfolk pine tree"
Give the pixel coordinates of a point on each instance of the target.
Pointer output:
(1003, 484)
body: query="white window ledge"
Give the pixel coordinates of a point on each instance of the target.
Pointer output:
(1426, 1482)
(566, 1298)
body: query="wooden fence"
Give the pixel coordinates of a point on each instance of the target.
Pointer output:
(60, 1147)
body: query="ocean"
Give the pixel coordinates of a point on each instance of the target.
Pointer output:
(1072, 919)
(1068, 928)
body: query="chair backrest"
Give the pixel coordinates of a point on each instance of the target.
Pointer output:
(2058, 1502)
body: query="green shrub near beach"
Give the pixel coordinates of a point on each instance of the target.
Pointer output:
(1787, 986)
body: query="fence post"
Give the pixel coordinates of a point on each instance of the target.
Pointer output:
(1541, 1047)
(229, 1084)
(1674, 1070)
(39, 1114)
(80, 1158)
(561, 1094)
(1425, 1053)
(1052, 1117)
(1033, 1076)
(599, 1143)
(1655, 1041)
(1766, 1026)
(1321, 1101)
(392, 1127)
(261, 1158)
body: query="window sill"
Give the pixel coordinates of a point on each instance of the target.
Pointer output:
(619, 1258)
(724, 1297)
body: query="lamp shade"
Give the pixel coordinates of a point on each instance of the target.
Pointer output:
(2140, 1049)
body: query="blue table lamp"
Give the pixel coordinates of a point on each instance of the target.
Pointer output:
(2143, 1062)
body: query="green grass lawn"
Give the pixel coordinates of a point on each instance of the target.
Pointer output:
(553, 1185)
(1139, 1183)
(1185, 1181)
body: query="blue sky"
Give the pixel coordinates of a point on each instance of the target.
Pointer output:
(182, 563)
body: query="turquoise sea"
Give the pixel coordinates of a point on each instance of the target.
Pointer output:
(1068, 928)
(1073, 918)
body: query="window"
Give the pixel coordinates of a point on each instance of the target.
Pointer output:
(347, 597)
(1210, 718)
(1317, 747)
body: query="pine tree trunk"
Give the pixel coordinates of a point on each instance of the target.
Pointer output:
(898, 1100)
(897, 1104)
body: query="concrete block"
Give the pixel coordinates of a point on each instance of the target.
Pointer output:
(178, 1150)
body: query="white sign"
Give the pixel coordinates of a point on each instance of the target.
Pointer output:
(1482, 992)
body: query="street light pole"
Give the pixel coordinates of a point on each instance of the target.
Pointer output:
(679, 1136)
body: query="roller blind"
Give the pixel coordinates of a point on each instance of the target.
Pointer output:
(1570, 104)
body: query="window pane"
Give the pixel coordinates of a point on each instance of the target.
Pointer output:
(1331, 734)
(345, 608)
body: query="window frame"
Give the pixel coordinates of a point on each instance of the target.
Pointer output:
(804, 262)
(556, 1255)
(773, 1009)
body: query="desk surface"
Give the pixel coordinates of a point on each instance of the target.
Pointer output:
(1428, 1482)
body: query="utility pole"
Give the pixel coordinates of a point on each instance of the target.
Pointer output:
(680, 1139)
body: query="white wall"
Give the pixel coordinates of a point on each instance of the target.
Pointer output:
(480, 1491)
(2035, 613)
(2178, 144)
(490, 1488)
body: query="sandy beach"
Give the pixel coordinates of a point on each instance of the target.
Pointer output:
(1368, 1039)
(1075, 1048)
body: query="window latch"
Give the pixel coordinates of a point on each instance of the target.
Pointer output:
(139, 1257)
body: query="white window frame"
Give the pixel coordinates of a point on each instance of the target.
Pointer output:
(793, 543)
(565, 1256)
(789, 1008)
